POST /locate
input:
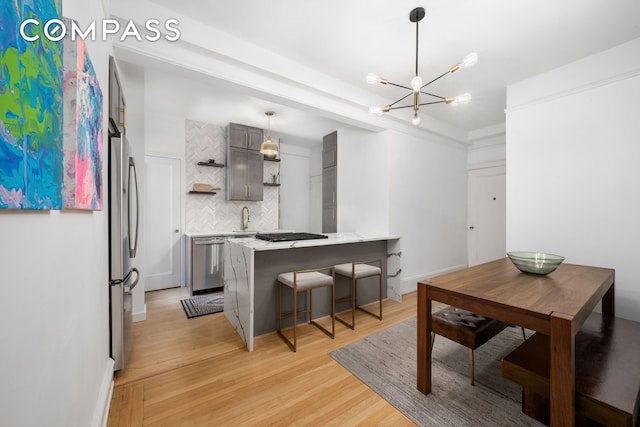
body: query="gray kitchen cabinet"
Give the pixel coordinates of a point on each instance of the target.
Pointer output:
(244, 163)
(329, 205)
(242, 136)
(117, 106)
(330, 150)
(330, 183)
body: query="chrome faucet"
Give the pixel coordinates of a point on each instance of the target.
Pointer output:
(244, 224)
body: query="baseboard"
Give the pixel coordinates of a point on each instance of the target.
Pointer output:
(410, 284)
(141, 315)
(101, 411)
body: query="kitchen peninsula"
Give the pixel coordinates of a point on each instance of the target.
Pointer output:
(252, 265)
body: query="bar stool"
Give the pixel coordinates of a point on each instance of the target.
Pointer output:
(303, 281)
(355, 271)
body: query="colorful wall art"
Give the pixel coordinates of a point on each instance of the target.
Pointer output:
(50, 114)
(82, 128)
(30, 109)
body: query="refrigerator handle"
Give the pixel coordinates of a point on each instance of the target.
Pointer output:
(125, 279)
(132, 168)
(130, 287)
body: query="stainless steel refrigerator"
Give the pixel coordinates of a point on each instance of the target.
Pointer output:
(123, 243)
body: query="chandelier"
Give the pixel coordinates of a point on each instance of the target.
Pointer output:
(268, 147)
(417, 84)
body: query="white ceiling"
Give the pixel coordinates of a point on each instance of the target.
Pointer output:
(347, 39)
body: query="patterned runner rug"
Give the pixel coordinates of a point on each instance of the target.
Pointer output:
(386, 362)
(200, 305)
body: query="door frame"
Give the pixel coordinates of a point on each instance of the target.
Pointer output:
(182, 177)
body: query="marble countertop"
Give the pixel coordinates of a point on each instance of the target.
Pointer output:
(333, 239)
(231, 233)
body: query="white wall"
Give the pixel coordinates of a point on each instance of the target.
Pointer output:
(572, 166)
(428, 205)
(315, 204)
(54, 321)
(390, 182)
(295, 189)
(363, 181)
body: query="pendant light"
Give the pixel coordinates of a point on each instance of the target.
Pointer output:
(417, 86)
(268, 147)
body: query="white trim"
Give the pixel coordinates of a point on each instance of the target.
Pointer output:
(487, 133)
(488, 144)
(101, 411)
(166, 155)
(140, 316)
(410, 284)
(485, 165)
(574, 91)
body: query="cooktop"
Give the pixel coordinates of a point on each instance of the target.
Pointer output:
(289, 237)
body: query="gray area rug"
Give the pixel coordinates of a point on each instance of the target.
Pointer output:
(386, 362)
(200, 305)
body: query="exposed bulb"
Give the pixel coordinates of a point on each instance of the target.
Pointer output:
(462, 99)
(470, 60)
(416, 83)
(416, 118)
(375, 111)
(372, 78)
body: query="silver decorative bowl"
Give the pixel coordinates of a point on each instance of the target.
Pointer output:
(535, 262)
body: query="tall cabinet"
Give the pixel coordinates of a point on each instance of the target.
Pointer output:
(244, 163)
(330, 183)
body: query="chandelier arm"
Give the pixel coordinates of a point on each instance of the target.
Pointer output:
(435, 96)
(397, 85)
(402, 106)
(437, 78)
(404, 97)
(411, 106)
(433, 102)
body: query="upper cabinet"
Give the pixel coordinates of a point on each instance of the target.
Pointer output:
(117, 106)
(330, 150)
(330, 183)
(245, 164)
(245, 136)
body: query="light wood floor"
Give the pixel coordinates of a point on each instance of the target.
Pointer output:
(197, 372)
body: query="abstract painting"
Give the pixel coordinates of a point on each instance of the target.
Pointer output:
(82, 128)
(31, 155)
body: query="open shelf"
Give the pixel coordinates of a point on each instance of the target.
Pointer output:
(270, 184)
(213, 165)
(266, 159)
(201, 192)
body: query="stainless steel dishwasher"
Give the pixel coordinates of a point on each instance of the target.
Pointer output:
(207, 260)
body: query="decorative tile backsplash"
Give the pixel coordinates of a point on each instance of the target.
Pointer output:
(212, 213)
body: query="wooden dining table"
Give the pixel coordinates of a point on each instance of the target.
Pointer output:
(556, 305)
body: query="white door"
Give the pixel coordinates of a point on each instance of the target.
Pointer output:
(163, 221)
(487, 213)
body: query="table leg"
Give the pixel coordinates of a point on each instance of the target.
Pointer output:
(424, 339)
(609, 302)
(562, 375)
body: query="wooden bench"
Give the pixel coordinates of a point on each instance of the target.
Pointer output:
(607, 372)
